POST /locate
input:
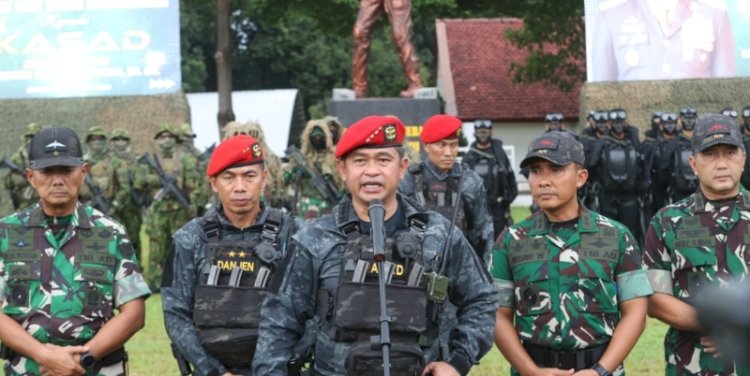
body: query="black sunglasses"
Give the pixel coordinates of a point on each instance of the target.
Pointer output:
(600, 116)
(687, 111)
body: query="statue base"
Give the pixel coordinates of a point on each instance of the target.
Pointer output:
(412, 111)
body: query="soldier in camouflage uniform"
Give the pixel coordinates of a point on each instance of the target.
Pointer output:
(64, 268)
(273, 192)
(126, 206)
(22, 194)
(573, 295)
(166, 215)
(98, 157)
(201, 314)
(186, 139)
(697, 242)
(434, 184)
(317, 150)
(322, 281)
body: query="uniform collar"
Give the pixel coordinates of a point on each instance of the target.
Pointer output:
(80, 219)
(345, 217)
(586, 222)
(699, 201)
(217, 214)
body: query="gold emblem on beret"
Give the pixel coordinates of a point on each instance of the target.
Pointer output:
(390, 132)
(256, 151)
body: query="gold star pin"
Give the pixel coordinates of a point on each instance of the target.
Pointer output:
(242, 254)
(232, 253)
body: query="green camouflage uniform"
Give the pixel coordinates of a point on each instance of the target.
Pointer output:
(16, 181)
(93, 271)
(100, 169)
(165, 215)
(693, 243)
(565, 284)
(124, 206)
(310, 203)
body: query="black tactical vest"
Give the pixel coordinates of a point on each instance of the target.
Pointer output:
(683, 178)
(619, 166)
(353, 309)
(226, 309)
(440, 196)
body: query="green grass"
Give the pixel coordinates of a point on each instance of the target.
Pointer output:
(150, 353)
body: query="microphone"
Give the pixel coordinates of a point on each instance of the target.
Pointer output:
(376, 210)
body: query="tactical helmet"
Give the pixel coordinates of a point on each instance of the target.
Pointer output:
(688, 111)
(164, 128)
(120, 133)
(186, 130)
(617, 114)
(31, 129)
(95, 132)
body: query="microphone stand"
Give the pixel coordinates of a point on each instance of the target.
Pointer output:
(377, 233)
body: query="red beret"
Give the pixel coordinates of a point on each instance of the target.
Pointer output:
(236, 151)
(440, 127)
(372, 132)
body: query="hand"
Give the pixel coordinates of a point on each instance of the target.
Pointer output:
(439, 369)
(710, 347)
(231, 374)
(586, 372)
(62, 360)
(556, 372)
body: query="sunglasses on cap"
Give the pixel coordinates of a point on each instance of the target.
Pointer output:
(688, 111)
(600, 116)
(617, 115)
(668, 117)
(731, 113)
(482, 124)
(553, 117)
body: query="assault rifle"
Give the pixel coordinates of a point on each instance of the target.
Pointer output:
(320, 182)
(14, 195)
(97, 196)
(168, 183)
(206, 155)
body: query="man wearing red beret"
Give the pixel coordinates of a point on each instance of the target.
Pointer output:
(223, 264)
(333, 277)
(434, 184)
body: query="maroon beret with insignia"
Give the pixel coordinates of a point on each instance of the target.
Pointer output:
(440, 127)
(236, 151)
(371, 132)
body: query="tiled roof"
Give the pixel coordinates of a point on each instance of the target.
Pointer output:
(480, 59)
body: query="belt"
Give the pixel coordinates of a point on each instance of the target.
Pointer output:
(578, 360)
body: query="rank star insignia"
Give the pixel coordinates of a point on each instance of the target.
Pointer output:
(242, 254)
(390, 132)
(256, 151)
(232, 253)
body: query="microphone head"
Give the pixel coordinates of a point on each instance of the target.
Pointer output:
(375, 203)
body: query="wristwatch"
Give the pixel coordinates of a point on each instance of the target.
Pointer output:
(87, 360)
(597, 367)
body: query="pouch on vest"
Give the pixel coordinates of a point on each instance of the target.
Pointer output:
(685, 179)
(619, 168)
(231, 347)
(363, 360)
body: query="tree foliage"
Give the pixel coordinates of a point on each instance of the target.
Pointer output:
(554, 35)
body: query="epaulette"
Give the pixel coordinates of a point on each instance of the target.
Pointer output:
(611, 4)
(717, 4)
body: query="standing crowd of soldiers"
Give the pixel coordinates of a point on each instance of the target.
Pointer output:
(272, 271)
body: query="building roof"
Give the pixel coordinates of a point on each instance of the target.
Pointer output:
(475, 80)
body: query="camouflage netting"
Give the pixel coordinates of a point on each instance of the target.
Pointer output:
(140, 115)
(641, 98)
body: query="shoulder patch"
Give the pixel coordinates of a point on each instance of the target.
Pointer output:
(607, 5)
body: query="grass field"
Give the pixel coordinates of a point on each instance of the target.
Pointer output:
(150, 354)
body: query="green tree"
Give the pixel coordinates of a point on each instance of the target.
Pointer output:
(553, 34)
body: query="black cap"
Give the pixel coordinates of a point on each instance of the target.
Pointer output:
(559, 148)
(715, 129)
(55, 146)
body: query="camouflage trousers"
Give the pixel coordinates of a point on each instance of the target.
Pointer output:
(130, 217)
(160, 225)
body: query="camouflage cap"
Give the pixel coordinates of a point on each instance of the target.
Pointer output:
(559, 148)
(95, 132)
(714, 129)
(164, 128)
(120, 133)
(186, 130)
